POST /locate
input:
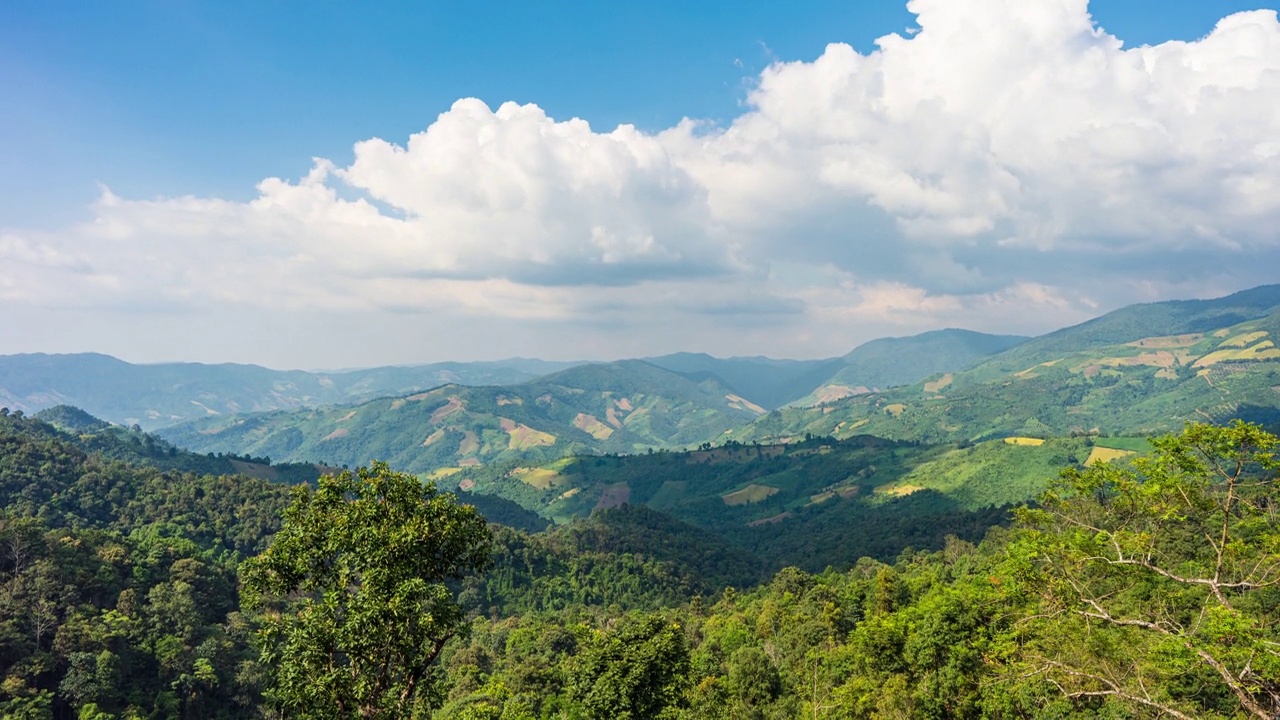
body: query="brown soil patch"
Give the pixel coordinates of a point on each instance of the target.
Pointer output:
(469, 444)
(623, 404)
(444, 411)
(339, 433)
(1168, 342)
(750, 494)
(737, 402)
(468, 462)
(612, 416)
(523, 437)
(433, 438)
(934, 386)
(832, 393)
(591, 425)
(774, 520)
(255, 470)
(346, 417)
(505, 400)
(467, 484)
(614, 496)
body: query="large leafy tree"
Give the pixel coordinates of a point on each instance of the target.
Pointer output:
(1159, 580)
(356, 593)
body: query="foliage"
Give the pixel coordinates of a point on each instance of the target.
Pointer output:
(369, 553)
(1159, 579)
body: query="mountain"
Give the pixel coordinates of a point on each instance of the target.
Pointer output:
(154, 396)
(809, 503)
(889, 362)
(622, 407)
(1142, 369)
(764, 381)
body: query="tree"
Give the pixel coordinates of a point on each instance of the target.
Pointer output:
(1159, 580)
(639, 671)
(355, 589)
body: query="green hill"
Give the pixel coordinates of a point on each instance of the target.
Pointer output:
(764, 381)
(1141, 370)
(622, 407)
(154, 396)
(890, 362)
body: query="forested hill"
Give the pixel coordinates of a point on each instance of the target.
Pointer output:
(1171, 363)
(889, 362)
(627, 406)
(154, 396)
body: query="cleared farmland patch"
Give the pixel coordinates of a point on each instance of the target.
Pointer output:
(1024, 441)
(591, 425)
(522, 437)
(934, 386)
(541, 478)
(752, 493)
(613, 496)
(1099, 455)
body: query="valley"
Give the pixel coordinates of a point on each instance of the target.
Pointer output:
(806, 521)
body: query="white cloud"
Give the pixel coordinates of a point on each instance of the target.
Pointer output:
(1009, 154)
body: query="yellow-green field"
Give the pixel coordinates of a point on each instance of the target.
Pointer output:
(750, 494)
(895, 409)
(1024, 441)
(591, 425)
(541, 478)
(1100, 455)
(523, 437)
(934, 386)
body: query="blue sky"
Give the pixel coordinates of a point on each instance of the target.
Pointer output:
(171, 99)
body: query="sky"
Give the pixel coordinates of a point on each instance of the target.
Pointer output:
(343, 184)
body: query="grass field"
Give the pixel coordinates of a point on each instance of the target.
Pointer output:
(750, 494)
(1024, 441)
(1105, 455)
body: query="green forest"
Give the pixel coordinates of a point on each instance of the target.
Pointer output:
(138, 588)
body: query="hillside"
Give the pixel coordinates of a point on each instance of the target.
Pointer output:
(1072, 381)
(890, 362)
(622, 407)
(764, 381)
(154, 396)
(778, 501)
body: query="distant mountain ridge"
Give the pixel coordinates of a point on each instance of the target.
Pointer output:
(622, 407)
(890, 362)
(1141, 369)
(154, 396)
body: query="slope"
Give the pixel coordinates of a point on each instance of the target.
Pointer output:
(628, 406)
(154, 396)
(888, 362)
(1073, 381)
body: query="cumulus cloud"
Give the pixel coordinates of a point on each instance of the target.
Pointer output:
(1009, 154)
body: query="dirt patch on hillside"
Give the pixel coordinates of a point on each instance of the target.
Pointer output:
(522, 436)
(737, 402)
(339, 433)
(623, 404)
(505, 400)
(934, 386)
(591, 425)
(614, 496)
(750, 494)
(433, 438)
(256, 470)
(1168, 342)
(452, 406)
(774, 520)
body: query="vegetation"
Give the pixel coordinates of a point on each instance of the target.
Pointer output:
(356, 581)
(617, 408)
(155, 396)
